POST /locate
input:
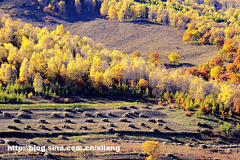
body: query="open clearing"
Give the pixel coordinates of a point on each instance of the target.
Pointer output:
(143, 36)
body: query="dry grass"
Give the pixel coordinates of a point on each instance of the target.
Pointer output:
(143, 36)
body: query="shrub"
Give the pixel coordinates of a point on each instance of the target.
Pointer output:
(66, 127)
(30, 95)
(238, 126)
(199, 113)
(154, 58)
(87, 114)
(42, 127)
(83, 128)
(188, 113)
(225, 127)
(49, 9)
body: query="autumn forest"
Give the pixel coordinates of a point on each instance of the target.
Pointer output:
(41, 62)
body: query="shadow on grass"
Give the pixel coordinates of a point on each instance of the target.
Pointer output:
(180, 65)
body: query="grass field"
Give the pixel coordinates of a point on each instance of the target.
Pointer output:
(55, 105)
(173, 133)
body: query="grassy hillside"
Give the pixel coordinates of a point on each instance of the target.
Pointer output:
(141, 35)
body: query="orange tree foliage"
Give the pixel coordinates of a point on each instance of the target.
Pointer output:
(237, 60)
(142, 83)
(135, 54)
(231, 68)
(237, 105)
(230, 56)
(216, 61)
(154, 58)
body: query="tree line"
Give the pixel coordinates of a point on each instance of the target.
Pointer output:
(37, 61)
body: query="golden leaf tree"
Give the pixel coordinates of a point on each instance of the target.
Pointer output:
(152, 149)
(174, 58)
(38, 83)
(23, 75)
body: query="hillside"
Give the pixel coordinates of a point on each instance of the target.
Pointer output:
(141, 35)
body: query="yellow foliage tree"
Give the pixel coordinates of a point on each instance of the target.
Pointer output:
(104, 8)
(135, 54)
(23, 75)
(62, 7)
(38, 83)
(26, 49)
(121, 13)
(174, 58)
(227, 95)
(112, 13)
(216, 72)
(152, 149)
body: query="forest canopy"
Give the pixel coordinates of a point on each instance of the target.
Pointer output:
(37, 61)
